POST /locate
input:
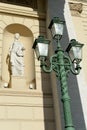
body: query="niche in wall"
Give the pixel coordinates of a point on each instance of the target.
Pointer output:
(26, 38)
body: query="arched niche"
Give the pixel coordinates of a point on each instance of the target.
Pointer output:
(26, 37)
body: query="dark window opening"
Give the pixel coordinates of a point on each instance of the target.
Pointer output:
(27, 3)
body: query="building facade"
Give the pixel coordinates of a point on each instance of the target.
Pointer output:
(32, 101)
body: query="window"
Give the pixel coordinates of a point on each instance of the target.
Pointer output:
(27, 3)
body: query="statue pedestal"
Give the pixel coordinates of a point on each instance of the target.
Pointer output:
(18, 82)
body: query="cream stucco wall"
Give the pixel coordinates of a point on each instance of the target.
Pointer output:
(29, 29)
(24, 108)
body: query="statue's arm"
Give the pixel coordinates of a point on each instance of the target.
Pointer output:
(20, 51)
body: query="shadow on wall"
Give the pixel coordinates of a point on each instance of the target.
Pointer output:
(56, 9)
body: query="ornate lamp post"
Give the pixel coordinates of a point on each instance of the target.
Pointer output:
(60, 63)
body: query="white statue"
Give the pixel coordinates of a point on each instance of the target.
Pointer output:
(16, 54)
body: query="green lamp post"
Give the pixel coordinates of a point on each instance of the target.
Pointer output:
(60, 63)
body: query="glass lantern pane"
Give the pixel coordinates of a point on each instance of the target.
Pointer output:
(57, 29)
(71, 54)
(37, 52)
(43, 49)
(75, 53)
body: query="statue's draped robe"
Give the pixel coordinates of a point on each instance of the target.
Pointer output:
(17, 59)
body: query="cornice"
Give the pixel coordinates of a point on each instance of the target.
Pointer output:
(19, 10)
(29, 98)
(76, 8)
(23, 93)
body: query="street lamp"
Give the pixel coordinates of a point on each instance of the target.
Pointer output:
(74, 50)
(56, 27)
(41, 47)
(60, 63)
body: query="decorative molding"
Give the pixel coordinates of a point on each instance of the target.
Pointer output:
(26, 3)
(26, 104)
(23, 93)
(27, 95)
(76, 8)
(20, 10)
(78, 0)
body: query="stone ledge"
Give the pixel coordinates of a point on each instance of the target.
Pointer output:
(25, 93)
(26, 99)
(18, 10)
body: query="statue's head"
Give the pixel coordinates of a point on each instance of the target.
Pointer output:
(17, 35)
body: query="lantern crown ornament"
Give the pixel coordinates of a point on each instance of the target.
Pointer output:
(56, 26)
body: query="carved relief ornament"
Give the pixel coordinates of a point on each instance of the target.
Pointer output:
(76, 8)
